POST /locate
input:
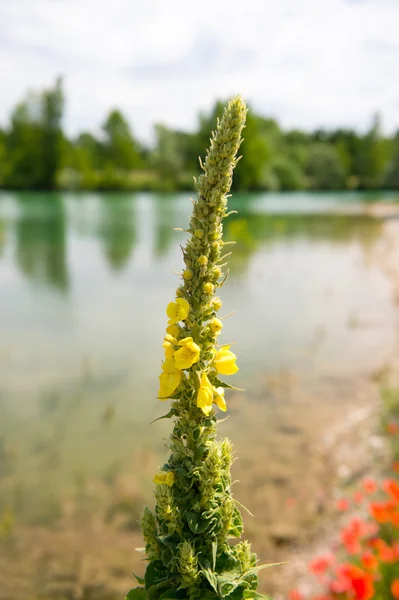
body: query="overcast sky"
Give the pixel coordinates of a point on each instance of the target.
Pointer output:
(310, 63)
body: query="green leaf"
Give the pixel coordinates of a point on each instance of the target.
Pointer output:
(195, 523)
(173, 594)
(140, 580)
(212, 579)
(237, 526)
(219, 383)
(137, 593)
(169, 415)
(214, 553)
(154, 573)
(255, 595)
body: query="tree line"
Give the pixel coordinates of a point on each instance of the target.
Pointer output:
(36, 154)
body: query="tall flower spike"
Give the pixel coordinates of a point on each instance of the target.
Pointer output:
(187, 541)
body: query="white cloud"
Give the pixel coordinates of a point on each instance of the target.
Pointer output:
(306, 62)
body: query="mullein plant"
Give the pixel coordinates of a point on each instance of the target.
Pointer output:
(188, 538)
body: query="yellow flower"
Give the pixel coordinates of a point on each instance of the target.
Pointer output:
(205, 395)
(165, 478)
(188, 274)
(169, 343)
(177, 311)
(225, 361)
(199, 234)
(216, 325)
(218, 398)
(188, 354)
(169, 379)
(208, 287)
(174, 330)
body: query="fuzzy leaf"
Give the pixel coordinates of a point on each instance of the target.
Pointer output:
(137, 593)
(219, 383)
(237, 526)
(255, 595)
(140, 580)
(212, 579)
(169, 415)
(196, 524)
(154, 573)
(173, 594)
(214, 553)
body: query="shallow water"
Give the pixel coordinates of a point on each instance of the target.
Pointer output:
(84, 283)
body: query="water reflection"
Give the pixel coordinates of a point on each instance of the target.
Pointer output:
(165, 220)
(41, 240)
(118, 229)
(252, 230)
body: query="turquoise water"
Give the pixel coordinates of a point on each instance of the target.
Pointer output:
(84, 283)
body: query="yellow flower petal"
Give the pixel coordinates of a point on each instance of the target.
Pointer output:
(177, 311)
(169, 343)
(225, 361)
(174, 330)
(205, 395)
(165, 478)
(188, 354)
(170, 378)
(219, 399)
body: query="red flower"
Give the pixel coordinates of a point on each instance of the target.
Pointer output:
(319, 565)
(369, 485)
(358, 497)
(295, 595)
(395, 589)
(343, 504)
(369, 561)
(392, 488)
(379, 512)
(392, 428)
(361, 583)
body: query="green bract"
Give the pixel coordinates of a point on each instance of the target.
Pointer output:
(187, 540)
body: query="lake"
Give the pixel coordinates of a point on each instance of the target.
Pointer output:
(85, 280)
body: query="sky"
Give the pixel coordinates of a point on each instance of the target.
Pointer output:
(308, 63)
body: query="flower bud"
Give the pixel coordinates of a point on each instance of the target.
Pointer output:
(216, 303)
(216, 273)
(202, 260)
(199, 234)
(208, 287)
(187, 274)
(216, 325)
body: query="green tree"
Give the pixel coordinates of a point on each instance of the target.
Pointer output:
(33, 141)
(391, 176)
(52, 105)
(167, 157)
(121, 150)
(324, 167)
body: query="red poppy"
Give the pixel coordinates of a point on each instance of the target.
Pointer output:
(369, 561)
(395, 588)
(295, 595)
(361, 583)
(392, 488)
(319, 565)
(392, 428)
(343, 504)
(369, 485)
(358, 497)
